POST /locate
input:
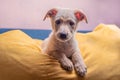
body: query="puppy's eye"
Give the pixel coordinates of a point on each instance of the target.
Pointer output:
(71, 23)
(58, 22)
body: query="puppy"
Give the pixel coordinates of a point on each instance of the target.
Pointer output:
(61, 43)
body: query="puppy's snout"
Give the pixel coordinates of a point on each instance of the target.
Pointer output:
(63, 35)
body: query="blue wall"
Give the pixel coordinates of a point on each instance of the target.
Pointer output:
(38, 34)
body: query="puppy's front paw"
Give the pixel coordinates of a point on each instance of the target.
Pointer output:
(67, 64)
(81, 69)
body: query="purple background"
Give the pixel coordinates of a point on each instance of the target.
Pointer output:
(29, 14)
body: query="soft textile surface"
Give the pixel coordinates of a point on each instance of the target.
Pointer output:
(21, 57)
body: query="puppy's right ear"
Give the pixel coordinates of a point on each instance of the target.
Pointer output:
(50, 13)
(80, 16)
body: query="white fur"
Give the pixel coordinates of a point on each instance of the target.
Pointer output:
(65, 51)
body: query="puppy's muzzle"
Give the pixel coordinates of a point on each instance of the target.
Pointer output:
(63, 36)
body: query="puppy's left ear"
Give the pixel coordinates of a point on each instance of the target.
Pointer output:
(50, 13)
(80, 16)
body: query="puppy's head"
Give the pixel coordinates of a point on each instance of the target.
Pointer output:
(64, 22)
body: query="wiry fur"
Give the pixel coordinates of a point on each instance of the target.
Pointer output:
(66, 51)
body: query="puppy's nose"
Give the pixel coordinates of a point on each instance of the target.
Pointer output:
(63, 35)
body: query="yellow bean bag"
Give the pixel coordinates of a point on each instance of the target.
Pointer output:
(21, 57)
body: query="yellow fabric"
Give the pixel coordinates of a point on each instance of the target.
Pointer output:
(21, 57)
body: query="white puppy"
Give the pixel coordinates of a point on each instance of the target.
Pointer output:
(61, 43)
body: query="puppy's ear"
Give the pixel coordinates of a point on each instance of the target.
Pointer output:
(50, 13)
(80, 16)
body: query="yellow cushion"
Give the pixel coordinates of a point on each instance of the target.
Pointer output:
(21, 57)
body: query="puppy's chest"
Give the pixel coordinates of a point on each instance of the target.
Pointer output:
(66, 48)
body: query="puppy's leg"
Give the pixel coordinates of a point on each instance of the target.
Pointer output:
(79, 64)
(64, 61)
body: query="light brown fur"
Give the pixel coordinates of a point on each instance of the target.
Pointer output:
(66, 50)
